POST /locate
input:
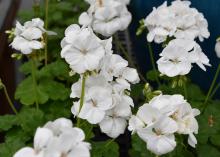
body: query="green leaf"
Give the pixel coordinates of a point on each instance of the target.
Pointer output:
(18, 134)
(55, 90)
(215, 140)
(28, 94)
(152, 75)
(209, 122)
(26, 68)
(56, 69)
(207, 151)
(57, 109)
(30, 119)
(8, 149)
(105, 149)
(7, 122)
(139, 148)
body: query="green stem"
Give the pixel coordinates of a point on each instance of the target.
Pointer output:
(212, 86)
(128, 57)
(153, 61)
(82, 97)
(185, 90)
(34, 82)
(46, 27)
(9, 100)
(36, 8)
(215, 90)
(109, 142)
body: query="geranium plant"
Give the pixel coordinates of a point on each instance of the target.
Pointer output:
(78, 87)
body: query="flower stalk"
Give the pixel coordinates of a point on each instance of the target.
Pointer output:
(7, 97)
(46, 27)
(33, 64)
(82, 96)
(153, 61)
(212, 86)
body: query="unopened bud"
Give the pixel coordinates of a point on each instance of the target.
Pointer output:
(16, 56)
(72, 73)
(1, 84)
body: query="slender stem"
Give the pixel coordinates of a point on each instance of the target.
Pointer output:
(9, 100)
(82, 96)
(34, 82)
(109, 142)
(128, 57)
(185, 90)
(212, 85)
(215, 90)
(46, 27)
(36, 8)
(153, 61)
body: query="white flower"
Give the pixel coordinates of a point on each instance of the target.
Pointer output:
(59, 125)
(106, 16)
(159, 137)
(160, 24)
(179, 110)
(97, 101)
(115, 121)
(57, 139)
(174, 60)
(155, 129)
(187, 124)
(112, 66)
(177, 20)
(178, 56)
(25, 46)
(81, 49)
(217, 48)
(41, 140)
(29, 37)
(157, 121)
(69, 144)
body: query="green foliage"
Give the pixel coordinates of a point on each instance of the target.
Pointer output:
(7, 121)
(107, 148)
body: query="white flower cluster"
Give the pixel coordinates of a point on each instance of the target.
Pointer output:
(184, 24)
(157, 121)
(105, 101)
(30, 36)
(106, 16)
(179, 55)
(177, 20)
(217, 48)
(57, 139)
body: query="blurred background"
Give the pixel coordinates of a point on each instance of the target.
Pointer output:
(140, 9)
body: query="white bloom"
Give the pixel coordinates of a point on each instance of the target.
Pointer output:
(57, 139)
(177, 20)
(217, 49)
(41, 140)
(29, 37)
(178, 56)
(115, 121)
(159, 137)
(174, 60)
(81, 49)
(59, 125)
(187, 124)
(112, 66)
(106, 16)
(155, 129)
(157, 121)
(97, 101)
(69, 144)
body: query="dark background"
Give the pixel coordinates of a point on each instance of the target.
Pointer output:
(211, 10)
